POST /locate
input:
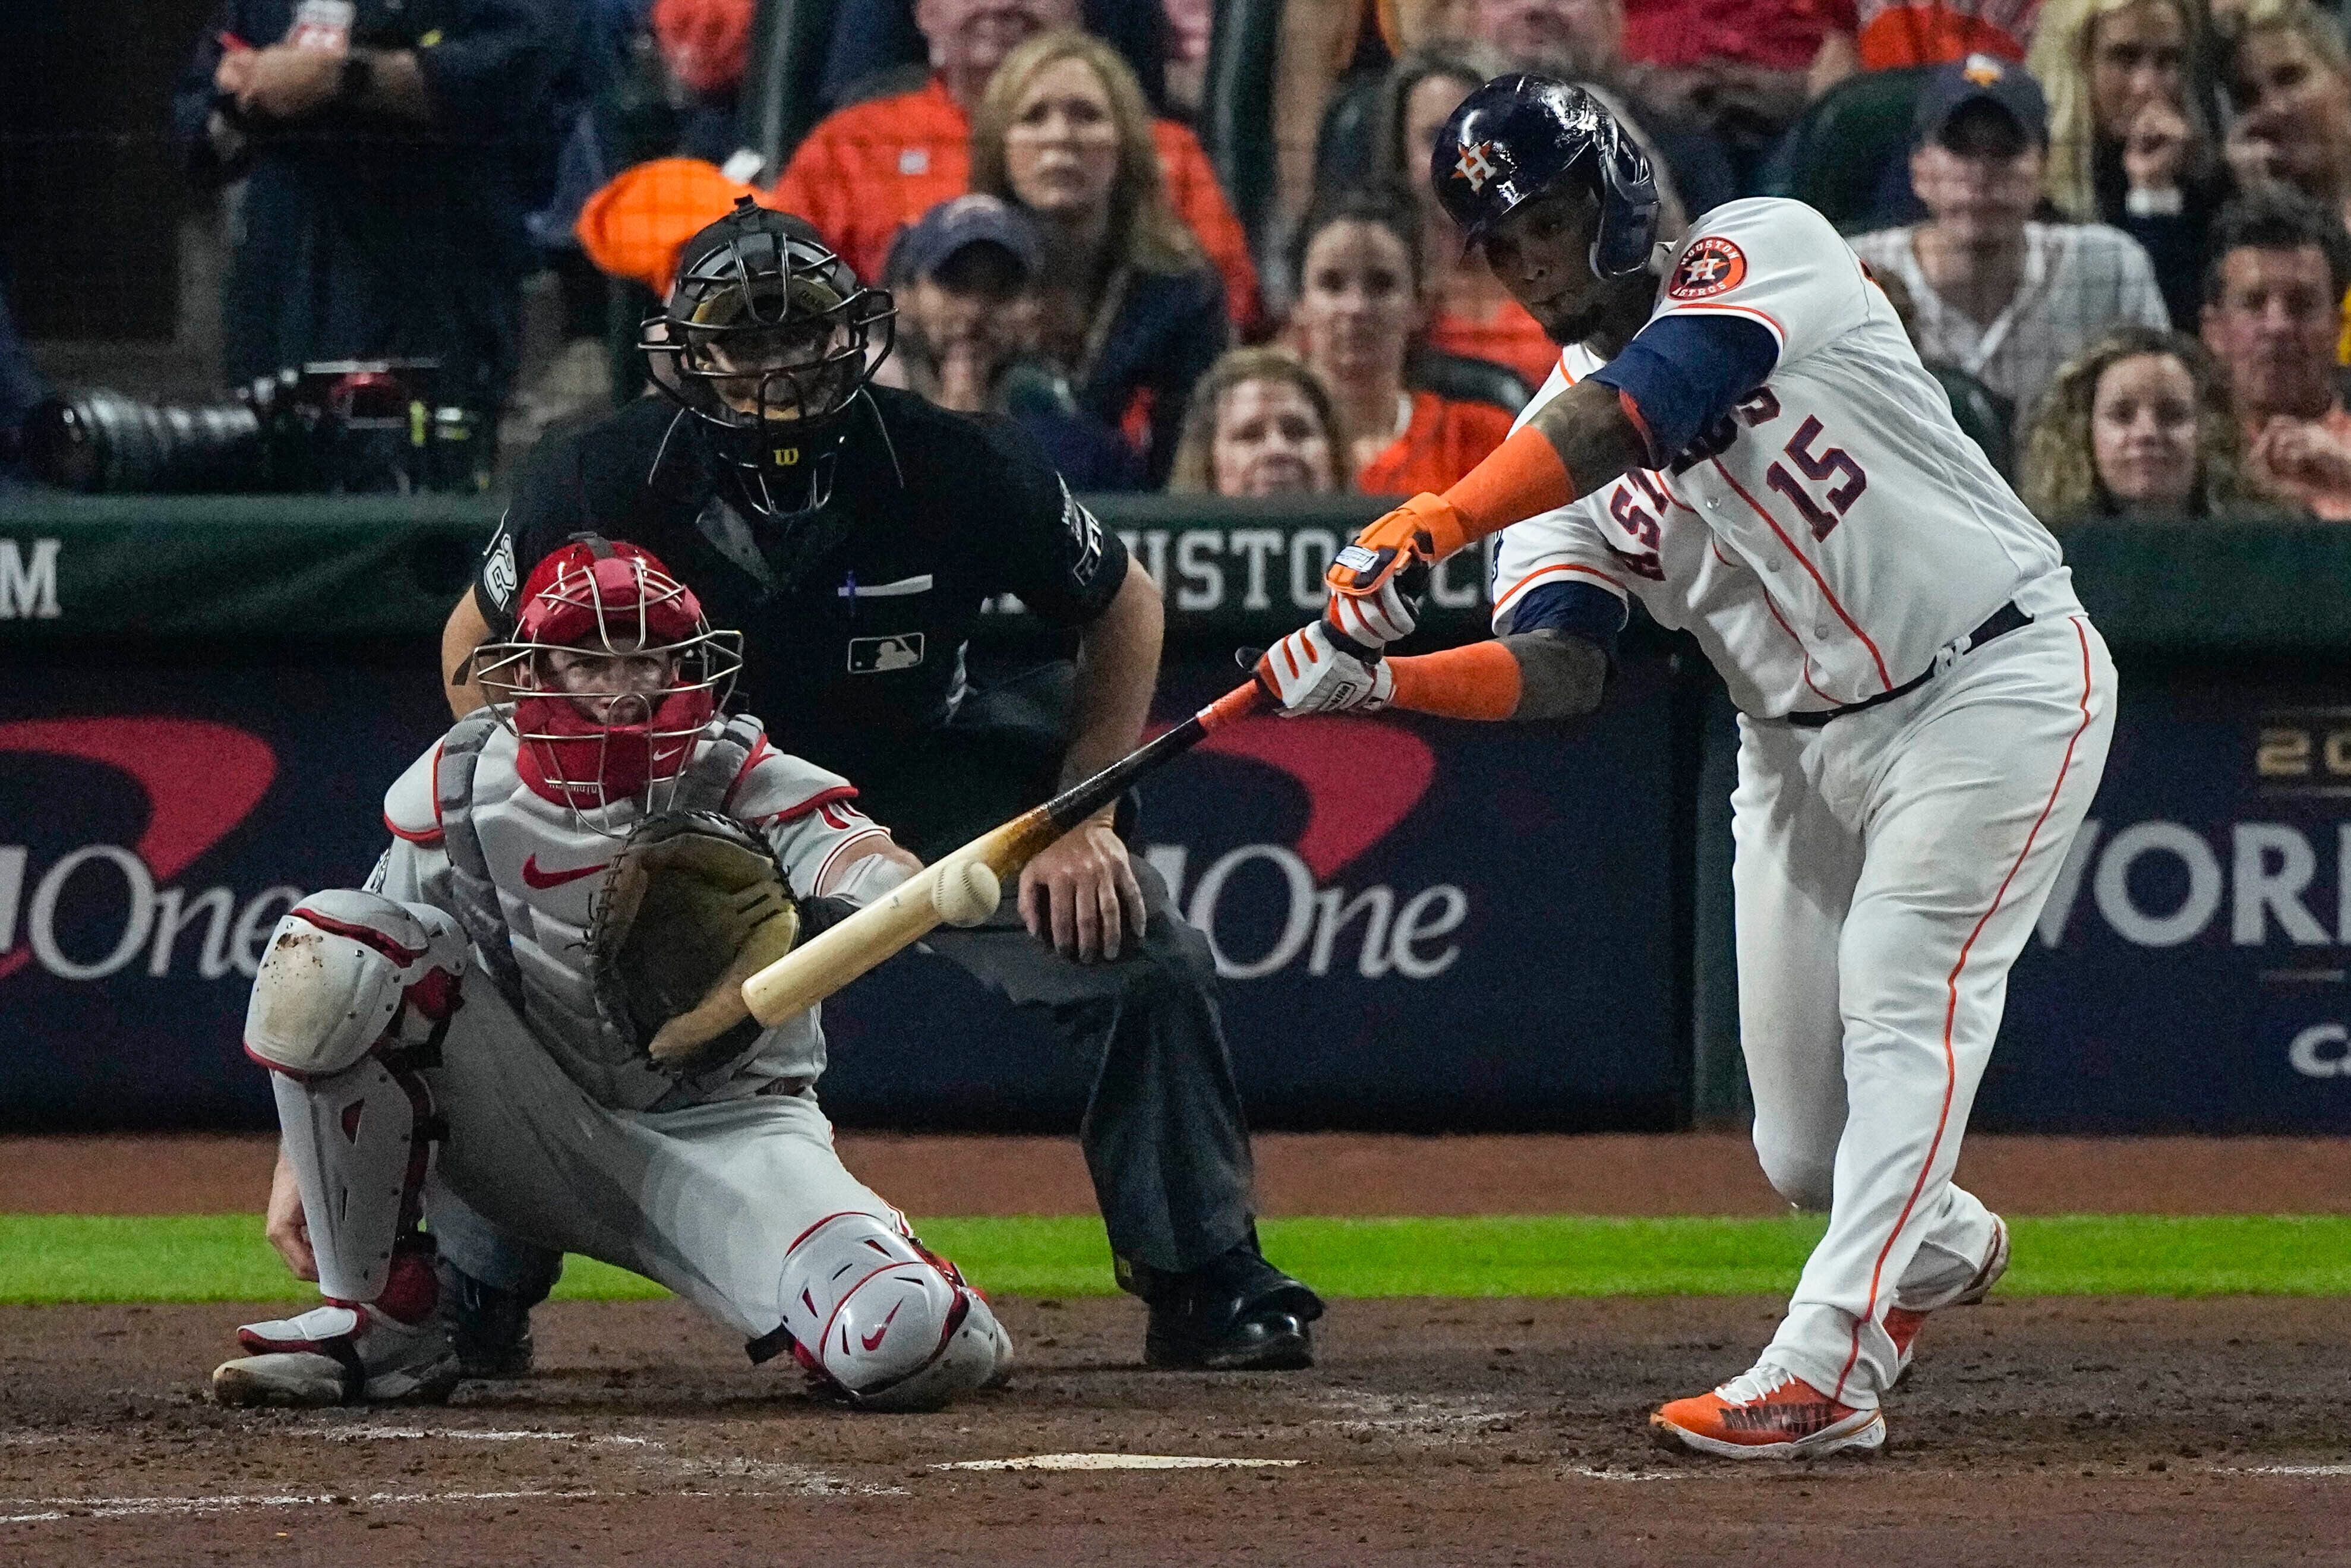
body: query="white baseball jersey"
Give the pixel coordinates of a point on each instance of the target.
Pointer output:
(548, 869)
(1824, 539)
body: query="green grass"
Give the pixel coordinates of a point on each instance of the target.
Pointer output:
(212, 1257)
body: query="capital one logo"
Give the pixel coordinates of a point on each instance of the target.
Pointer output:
(201, 780)
(1377, 929)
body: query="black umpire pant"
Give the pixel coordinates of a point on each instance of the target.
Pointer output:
(1165, 1139)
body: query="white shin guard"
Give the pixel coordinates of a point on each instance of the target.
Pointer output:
(358, 1141)
(351, 997)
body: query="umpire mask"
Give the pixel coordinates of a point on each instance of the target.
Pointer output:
(768, 338)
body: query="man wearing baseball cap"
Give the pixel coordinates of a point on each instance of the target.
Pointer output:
(2003, 297)
(965, 276)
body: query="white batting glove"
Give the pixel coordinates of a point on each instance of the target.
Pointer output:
(1374, 609)
(1307, 673)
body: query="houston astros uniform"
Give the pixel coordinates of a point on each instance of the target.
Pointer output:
(1831, 540)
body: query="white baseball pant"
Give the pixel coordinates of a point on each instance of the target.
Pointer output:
(1889, 866)
(706, 1199)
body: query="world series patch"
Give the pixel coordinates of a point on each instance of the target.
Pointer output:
(1710, 268)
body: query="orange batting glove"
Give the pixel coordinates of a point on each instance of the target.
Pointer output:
(1429, 526)
(1523, 478)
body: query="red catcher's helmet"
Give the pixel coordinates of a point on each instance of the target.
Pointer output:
(599, 727)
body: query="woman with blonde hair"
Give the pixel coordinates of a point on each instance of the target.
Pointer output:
(1130, 310)
(2130, 136)
(2288, 75)
(2138, 424)
(1260, 424)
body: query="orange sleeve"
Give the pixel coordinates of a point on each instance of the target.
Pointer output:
(634, 227)
(1200, 202)
(1480, 681)
(1521, 478)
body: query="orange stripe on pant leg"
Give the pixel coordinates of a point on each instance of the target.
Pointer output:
(1950, 1015)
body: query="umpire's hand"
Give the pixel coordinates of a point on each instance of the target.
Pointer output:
(1082, 897)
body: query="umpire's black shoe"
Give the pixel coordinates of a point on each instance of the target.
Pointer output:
(1237, 1313)
(488, 1327)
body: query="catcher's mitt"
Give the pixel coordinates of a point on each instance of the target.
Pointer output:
(695, 905)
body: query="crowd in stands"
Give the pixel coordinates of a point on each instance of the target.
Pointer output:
(2115, 228)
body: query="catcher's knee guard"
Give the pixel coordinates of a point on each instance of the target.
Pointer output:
(344, 970)
(351, 999)
(878, 1320)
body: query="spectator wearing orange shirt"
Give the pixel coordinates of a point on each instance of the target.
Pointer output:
(870, 169)
(1470, 314)
(1130, 310)
(1360, 310)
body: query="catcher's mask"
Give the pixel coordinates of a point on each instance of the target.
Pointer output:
(609, 678)
(766, 338)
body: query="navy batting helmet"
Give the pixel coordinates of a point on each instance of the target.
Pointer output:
(1518, 137)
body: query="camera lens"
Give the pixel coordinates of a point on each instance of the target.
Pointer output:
(103, 441)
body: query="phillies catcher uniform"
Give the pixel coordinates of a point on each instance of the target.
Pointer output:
(451, 1001)
(1924, 707)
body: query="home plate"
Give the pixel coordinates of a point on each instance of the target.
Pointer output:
(1117, 1462)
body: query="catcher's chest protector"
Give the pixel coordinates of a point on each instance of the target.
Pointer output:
(542, 970)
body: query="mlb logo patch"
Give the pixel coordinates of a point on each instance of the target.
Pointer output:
(880, 655)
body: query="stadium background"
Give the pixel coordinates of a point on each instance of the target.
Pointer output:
(1514, 946)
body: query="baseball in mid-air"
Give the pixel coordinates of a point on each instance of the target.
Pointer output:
(966, 894)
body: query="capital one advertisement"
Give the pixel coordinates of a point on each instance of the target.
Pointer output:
(2188, 973)
(1419, 925)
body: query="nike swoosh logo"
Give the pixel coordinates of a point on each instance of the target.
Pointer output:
(538, 878)
(870, 1340)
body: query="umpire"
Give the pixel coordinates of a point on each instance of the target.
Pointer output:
(852, 532)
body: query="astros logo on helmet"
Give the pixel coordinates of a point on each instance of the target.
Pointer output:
(1476, 166)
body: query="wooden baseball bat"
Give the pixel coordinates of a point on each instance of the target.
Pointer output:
(904, 915)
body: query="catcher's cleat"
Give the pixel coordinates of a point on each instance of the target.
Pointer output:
(1766, 1413)
(1903, 1324)
(1237, 1313)
(489, 1328)
(339, 1355)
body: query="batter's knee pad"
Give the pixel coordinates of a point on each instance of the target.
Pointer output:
(879, 1321)
(344, 970)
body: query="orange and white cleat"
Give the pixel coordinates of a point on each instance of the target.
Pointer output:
(1768, 1413)
(1903, 1324)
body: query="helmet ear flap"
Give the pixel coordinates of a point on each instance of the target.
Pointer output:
(1628, 207)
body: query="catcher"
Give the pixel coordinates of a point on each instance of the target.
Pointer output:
(596, 853)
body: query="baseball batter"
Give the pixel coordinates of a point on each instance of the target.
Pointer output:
(467, 997)
(1739, 435)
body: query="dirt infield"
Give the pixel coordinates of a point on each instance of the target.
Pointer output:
(1451, 1432)
(1434, 1432)
(1336, 1174)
